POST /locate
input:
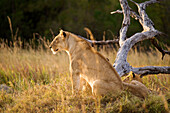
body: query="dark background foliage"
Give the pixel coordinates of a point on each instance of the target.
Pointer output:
(38, 16)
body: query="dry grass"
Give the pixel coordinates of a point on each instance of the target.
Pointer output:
(41, 83)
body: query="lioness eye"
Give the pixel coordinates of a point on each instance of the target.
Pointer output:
(56, 40)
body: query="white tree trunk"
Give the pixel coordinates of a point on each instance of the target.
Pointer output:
(121, 64)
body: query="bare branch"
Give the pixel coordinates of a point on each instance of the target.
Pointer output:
(150, 2)
(94, 42)
(105, 42)
(134, 15)
(126, 21)
(100, 42)
(145, 21)
(146, 3)
(155, 43)
(117, 11)
(133, 2)
(151, 70)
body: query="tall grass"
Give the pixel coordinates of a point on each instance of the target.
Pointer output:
(41, 82)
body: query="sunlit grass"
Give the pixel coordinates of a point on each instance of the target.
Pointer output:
(41, 83)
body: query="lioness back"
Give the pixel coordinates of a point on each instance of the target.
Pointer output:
(99, 66)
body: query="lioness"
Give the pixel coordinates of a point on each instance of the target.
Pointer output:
(87, 65)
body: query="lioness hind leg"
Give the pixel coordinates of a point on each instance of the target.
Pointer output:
(101, 87)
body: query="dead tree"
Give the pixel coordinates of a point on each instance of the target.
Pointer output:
(121, 65)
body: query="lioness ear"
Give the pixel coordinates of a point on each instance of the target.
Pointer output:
(64, 34)
(61, 31)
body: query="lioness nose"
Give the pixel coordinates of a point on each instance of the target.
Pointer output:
(50, 47)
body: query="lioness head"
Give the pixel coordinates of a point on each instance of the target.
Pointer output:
(59, 42)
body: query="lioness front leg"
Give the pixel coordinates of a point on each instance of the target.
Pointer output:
(75, 80)
(78, 83)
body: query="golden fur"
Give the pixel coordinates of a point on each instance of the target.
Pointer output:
(89, 66)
